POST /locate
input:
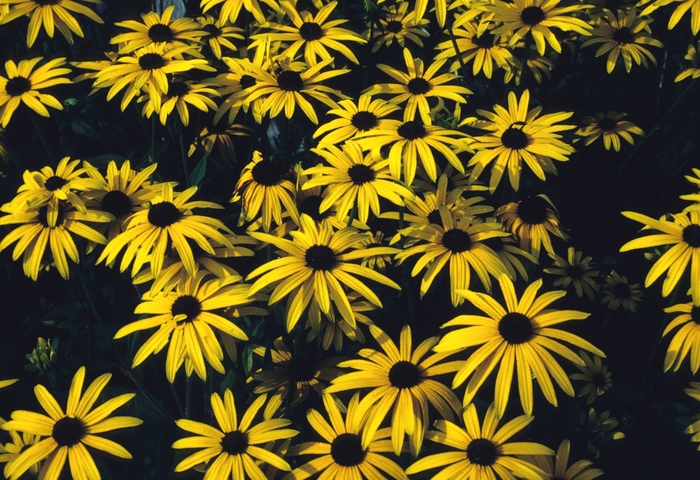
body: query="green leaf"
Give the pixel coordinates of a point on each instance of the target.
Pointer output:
(198, 173)
(247, 357)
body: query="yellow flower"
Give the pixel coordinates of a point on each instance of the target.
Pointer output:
(397, 23)
(617, 292)
(611, 127)
(595, 374)
(575, 270)
(557, 469)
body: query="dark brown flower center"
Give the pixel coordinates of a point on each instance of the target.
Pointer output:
(456, 240)
(306, 368)
(311, 206)
(347, 451)
(435, 218)
(515, 328)
(117, 203)
(310, 31)
(290, 81)
(151, 61)
(361, 174)
(598, 379)
(16, 86)
(695, 314)
(622, 291)
(575, 272)
(691, 235)
(419, 86)
(394, 26)
(212, 30)
(320, 257)
(187, 305)
(514, 138)
(160, 33)
(494, 243)
(404, 374)
(481, 452)
(485, 40)
(623, 36)
(43, 212)
(412, 130)
(54, 183)
(163, 214)
(607, 124)
(178, 88)
(267, 173)
(43, 3)
(364, 121)
(532, 15)
(533, 210)
(247, 81)
(235, 443)
(68, 431)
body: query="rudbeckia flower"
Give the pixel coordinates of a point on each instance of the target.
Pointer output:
(440, 11)
(21, 441)
(395, 22)
(219, 34)
(518, 337)
(559, 468)
(685, 5)
(686, 340)
(618, 292)
(481, 452)
(694, 70)
(23, 84)
(181, 93)
(611, 127)
(595, 374)
(232, 8)
(575, 270)
(69, 433)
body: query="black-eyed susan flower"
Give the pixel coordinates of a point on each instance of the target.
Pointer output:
(285, 88)
(20, 441)
(354, 117)
(312, 34)
(331, 328)
(481, 452)
(67, 434)
(560, 469)
(292, 375)
(692, 6)
(355, 180)
(694, 70)
(694, 428)
(186, 319)
(411, 141)
(219, 34)
(264, 185)
(532, 221)
(234, 85)
(623, 35)
(24, 85)
(317, 263)
(232, 8)
(417, 85)
(403, 381)
(519, 337)
(600, 431)
(618, 292)
(682, 234)
(595, 374)
(147, 68)
(611, 127)
(686, 340)
(158, 29)
(236, 448)
(575, 270)
(51, 15)
(169, 218)
(537, 17)
(181, 93)
(342, 453)
(510, 254)
(459, 243)
(396, 23)
(34, 234)
(516, 135)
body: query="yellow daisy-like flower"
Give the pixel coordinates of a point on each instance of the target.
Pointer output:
(232, 8)
(694, 70)
(50, 15)
(518, 135)
(576, 270)
(342, 454)
(559, 468)
(23, 84)
(185, 317)
(147, 69)
(623, 36)
(149, 232)
(694, 392)
(611, 127)
(683, 234)
(363, 116)
(595, 374)
(537, 17)
(160, 30)
(508, 251)
(482, 451)
(412, 141)
(292, 376)
(532, 221)
(402, 381)
(313, 34)
(686, 340)
(417, 85)
(237, 447)
(317, 263)
(397, 23)
(331, 328)
(35, 234)
(10, 451)
(458, 242)
(518, 337)
(618, 292)
(219, 34)
(68, 434)
(599, 431)
(286, 88)
(354, 180)
(265, 185)
(181, 93)
(685, 5)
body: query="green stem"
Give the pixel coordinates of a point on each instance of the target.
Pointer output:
(183, 154)
(43, 140)
(153, 138)
(462, 65)
(353, 213)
